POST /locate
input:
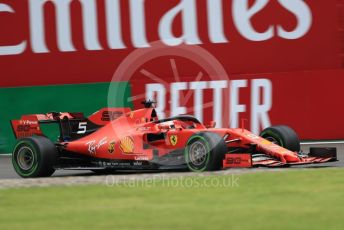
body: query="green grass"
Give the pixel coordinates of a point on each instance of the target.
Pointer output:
(296, 199)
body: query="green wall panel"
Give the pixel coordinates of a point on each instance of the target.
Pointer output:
(86, 98)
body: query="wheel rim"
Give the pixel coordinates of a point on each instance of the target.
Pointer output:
(198, 153)
(25, 158)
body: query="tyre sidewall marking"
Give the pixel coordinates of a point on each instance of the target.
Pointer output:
(186, 152)
(18, 169)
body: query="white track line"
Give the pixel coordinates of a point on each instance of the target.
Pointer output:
(322, 143)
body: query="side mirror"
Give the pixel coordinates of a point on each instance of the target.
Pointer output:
(211, 125)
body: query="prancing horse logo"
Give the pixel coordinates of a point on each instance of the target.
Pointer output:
(173, 140)
(111, 147)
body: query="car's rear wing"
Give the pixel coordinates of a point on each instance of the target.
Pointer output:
(72, 125)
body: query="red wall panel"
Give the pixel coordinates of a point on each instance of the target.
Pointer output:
(305, 72)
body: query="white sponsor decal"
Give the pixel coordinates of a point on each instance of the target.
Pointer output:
(94, 145)
(137, 163)
(253, 136)
(82, 128)
(144, 129)
(261, 100)
(242, 17)
(141, 158)
(28, 122)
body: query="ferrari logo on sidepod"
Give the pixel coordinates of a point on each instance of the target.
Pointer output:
(127, 145)
(173, 140)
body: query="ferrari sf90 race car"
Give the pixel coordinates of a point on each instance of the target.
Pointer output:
(121, 139)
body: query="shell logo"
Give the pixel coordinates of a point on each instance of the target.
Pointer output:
(266, 142)
(127, 145)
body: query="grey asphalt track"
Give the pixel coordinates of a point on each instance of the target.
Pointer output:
(7, 171)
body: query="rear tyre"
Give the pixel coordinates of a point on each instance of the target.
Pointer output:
(283, 136)
(205, 152)
(34, 157)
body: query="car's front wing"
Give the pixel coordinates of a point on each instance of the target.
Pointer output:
(249, 160)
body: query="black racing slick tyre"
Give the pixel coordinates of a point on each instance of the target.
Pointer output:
(34, 157)
(323, 153)
(205, 152)
(283, 136)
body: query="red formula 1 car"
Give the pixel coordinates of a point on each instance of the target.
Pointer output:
(120, 139)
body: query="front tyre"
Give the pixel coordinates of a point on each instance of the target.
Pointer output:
(34, 157)
(283, 136)
(205, 152)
